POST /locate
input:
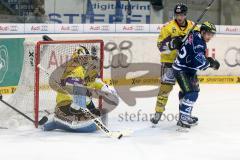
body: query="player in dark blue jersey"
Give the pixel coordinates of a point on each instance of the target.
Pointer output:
(191, 57)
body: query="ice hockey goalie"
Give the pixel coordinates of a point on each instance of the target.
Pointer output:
(75, 89)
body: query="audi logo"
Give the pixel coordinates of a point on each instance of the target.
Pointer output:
(139, 28)
(13, 28)
(74, 28)
(44, 28)
(105, 28)
(232, 57)
(123, 49)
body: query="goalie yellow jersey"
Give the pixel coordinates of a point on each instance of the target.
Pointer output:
(75, 74)
(169, 31)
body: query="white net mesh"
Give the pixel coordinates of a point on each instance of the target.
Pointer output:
(51, 55)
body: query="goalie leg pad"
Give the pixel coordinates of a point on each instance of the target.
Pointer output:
(61, 126)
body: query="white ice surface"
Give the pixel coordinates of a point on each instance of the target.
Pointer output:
(217, 137)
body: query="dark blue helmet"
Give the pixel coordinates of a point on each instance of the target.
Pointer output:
(180, 8)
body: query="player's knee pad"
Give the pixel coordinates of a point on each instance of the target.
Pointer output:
(190, 98)
(167, 75)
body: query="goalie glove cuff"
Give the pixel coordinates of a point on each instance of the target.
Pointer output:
(110, 94)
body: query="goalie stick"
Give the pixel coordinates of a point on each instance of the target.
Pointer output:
(42, 121)
(198, 20)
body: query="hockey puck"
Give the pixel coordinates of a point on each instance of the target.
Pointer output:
(120, 136)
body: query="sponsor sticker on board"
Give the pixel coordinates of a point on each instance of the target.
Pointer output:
(155, 28)
(39, 28)
(11, 28)
(230, 29)
(132, 27)
(68, 28)
(101, 28)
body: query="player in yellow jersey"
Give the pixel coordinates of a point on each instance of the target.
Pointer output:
(169, 41)
(80, 75)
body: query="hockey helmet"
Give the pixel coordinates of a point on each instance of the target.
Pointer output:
(180, 8)
(208, 27)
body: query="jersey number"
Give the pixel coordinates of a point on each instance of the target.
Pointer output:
(183, 52)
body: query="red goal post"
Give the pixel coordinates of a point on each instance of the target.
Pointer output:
(64, 44)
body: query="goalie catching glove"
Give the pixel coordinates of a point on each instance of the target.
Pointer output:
(109, 94)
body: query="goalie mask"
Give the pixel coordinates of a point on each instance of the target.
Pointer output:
(90, 62)
(80, 51)
(81, 55)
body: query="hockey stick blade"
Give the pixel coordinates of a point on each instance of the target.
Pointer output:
(120, 134)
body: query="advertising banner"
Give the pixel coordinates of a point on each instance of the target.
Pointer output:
(122, 51)
(129, 59)
(11, 28)
(95, 11)
(99, 28)
(68, 28)
(11, 60)
(39, 28)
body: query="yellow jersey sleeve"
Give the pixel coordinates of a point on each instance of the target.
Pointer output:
(169, 31)
(163, 39)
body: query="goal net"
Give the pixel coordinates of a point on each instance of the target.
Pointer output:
(34, 96)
